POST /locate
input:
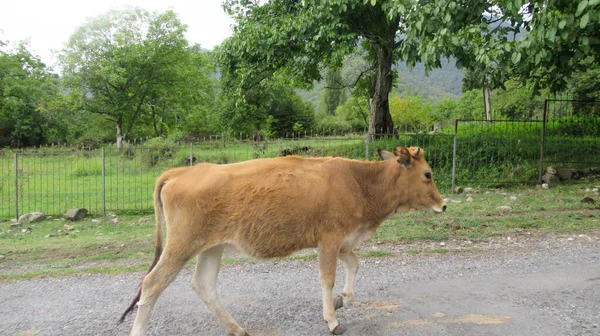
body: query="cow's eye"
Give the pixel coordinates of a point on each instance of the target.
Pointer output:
(428, 175)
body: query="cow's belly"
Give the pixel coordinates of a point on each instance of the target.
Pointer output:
(276, 241)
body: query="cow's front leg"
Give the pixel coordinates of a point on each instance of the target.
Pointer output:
(350, 263)
(327, 263)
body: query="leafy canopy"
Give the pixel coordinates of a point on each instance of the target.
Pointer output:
(130, 66)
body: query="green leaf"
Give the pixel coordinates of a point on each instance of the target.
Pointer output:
(582, 5)
(516, 57)
(584, 20)
(593, 2)
(585, 40)
(374, 2)
(563, 23)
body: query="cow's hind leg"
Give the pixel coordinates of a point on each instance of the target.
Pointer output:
(204, 283)
(328, 254)
(153, 285)
(350, 263)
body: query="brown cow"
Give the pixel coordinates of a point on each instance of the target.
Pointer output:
(272, 207)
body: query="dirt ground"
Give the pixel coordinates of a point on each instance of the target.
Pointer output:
(522, 285)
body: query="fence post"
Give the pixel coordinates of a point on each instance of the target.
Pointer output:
(16, 186)
(278, 147)
(454, 157)
(191, 155)
(103, 183)
(544, 120)
(367, 147)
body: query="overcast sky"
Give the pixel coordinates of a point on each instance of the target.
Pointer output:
(49, 23)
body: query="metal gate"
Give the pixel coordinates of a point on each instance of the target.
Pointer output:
(571, 134)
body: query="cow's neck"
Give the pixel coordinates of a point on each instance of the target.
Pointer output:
(377, 184)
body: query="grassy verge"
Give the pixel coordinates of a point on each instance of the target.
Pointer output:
(105, 246)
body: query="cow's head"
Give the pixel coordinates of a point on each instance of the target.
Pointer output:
(414, 180)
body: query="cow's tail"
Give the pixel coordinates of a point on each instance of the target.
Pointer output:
(160, 219)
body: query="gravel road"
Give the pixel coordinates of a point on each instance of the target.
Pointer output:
(543, 286)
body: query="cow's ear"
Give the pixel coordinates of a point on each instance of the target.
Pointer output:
(385, 155)
(403, 155)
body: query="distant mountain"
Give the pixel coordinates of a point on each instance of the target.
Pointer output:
(439, 83)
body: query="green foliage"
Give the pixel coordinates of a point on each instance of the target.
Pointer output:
(411, 113)
(155, 151)
(29, 98)
(272, 108)
(356, 112)
(556, 35)
(517, 101)
(334, 93)
(131, 66)
(585, 83)
(329, 123)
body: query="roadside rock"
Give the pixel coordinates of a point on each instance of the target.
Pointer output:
(588, 200)
(32, 217)
(564, 173)
(75, 214)
(505, 208)
(550, 178)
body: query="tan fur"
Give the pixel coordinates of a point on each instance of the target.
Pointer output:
(272, 207)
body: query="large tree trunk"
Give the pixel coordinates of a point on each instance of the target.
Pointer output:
(487, 102)
(120, 137)
(380, 121)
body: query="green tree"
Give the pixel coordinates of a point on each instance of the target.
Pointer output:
(129, 66)
(300, 38)
(518, 101)
(411, 113)
(272, 107)
(556, 36)
(355, 111)
(27, 89)
(334, 93)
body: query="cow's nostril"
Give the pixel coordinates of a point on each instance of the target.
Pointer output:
(444, 207)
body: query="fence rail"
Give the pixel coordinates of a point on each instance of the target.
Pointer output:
(477, 152)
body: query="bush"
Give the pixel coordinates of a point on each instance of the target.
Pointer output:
(157, 150)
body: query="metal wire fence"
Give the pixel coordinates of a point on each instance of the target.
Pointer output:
(53, 180)
(571, 134)
(497, 152)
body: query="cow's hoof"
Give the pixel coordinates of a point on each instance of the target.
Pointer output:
(340, 329)
(338, 302)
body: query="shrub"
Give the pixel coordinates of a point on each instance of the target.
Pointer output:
(157, 150)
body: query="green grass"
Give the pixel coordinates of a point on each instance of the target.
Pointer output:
(102, 246)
